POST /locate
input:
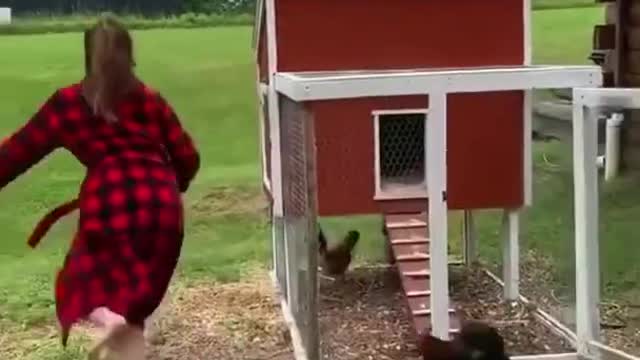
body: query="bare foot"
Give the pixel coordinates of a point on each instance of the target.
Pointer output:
(123, 342)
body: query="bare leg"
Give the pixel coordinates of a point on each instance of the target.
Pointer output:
(151, 330)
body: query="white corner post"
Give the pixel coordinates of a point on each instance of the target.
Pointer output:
(585, 175)
(527, 110)
(436, 174)
(274, 131)
(511, 254)
(470, 237)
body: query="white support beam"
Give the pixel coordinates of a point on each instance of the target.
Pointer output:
(602, 351)
(511, 254)
(586, 223)
(626, 98)
(308, 86)
(470, 237)
(562, 356)
(436, 175)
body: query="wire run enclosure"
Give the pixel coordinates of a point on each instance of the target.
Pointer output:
(588, 103)
(295, 232)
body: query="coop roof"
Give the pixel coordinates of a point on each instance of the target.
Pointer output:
(257, 24)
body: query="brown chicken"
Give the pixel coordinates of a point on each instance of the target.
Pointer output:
(476, 341)
(335, 260)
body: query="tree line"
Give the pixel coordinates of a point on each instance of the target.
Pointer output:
(138, 7)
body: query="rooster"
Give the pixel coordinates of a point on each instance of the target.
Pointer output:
(476, 341)
(336, 259)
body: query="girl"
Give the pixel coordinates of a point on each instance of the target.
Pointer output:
(139, 159)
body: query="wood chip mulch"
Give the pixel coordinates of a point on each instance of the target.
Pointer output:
(364, 316)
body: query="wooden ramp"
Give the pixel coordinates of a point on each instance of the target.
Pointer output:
(407, 236)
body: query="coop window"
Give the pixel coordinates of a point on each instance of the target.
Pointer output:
(401, 153)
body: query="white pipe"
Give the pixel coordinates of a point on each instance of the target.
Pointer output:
(5, 15)
(612, 146)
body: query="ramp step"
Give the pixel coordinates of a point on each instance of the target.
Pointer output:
(427, 312)
(404, 224)
(414, 241)
(418, 293)
(418, 273)
(413, 257)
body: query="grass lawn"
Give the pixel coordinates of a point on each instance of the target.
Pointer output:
(208, 75)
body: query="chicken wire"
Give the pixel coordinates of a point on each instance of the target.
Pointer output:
(300, 234)
(402, 151)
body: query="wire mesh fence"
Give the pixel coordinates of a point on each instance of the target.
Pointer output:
(300, 231)
(402, 149)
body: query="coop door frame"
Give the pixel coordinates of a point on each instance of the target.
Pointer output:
(380, 193)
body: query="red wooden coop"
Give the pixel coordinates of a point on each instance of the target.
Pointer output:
(376, 107)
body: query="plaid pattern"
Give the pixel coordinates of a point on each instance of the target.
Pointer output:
(131, 217)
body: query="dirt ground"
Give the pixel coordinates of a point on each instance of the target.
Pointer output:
(364, 316)
(232, 321)
(361, 317)
(620, 318)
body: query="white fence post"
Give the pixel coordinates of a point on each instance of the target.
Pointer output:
(437, 187)
(511, 253)
(585, 147)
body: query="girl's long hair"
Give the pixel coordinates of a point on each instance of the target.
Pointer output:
(109, 66)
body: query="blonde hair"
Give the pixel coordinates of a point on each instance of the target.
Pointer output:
(109, 66)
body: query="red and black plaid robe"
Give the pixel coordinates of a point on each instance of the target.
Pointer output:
(131, 217)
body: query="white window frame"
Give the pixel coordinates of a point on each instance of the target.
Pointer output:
(381, 194)
(264, 93)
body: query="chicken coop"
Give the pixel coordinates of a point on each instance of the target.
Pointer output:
(401, 111)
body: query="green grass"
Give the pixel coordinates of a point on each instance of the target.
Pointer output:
(208, 74)
(212, 90)
(564, 36)
(562, 4)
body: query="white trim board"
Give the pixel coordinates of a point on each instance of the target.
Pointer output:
(560, 356)
(263, 96)
(380, 194)
(299, 351)
(627, 98)
(308, 86)
(527, 161)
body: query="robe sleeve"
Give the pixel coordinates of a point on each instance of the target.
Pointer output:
(184, 155)
(31, 143)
